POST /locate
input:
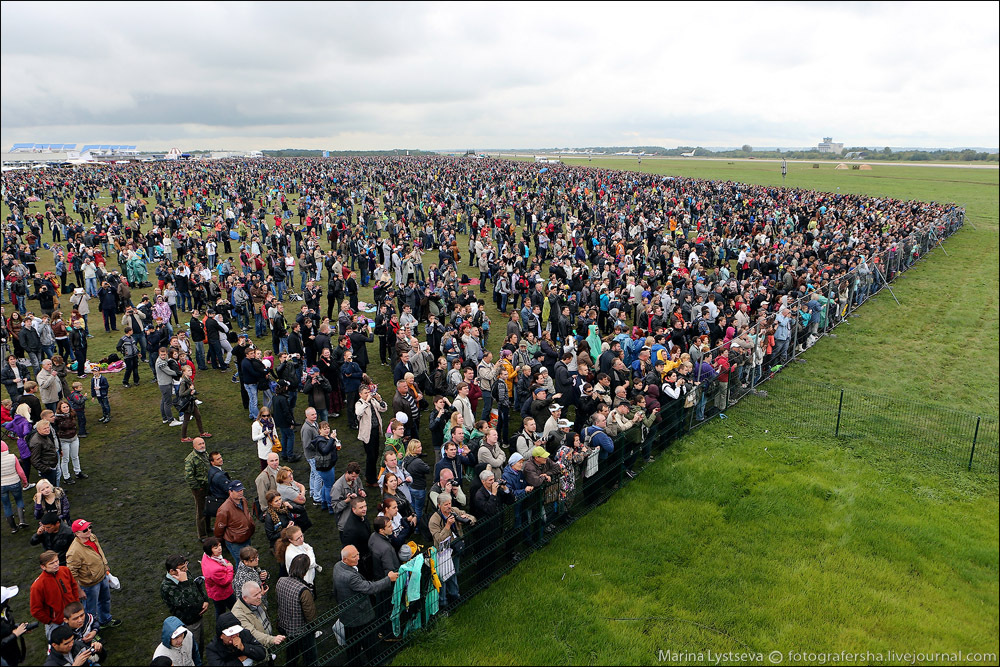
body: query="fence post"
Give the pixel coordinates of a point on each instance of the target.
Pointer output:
(840, 406)
(975, 436)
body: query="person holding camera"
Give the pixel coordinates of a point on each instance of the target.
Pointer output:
(66, 649)
(368, 409)
(491, 495)
(12, 649)
(446, 526)
(447, 485)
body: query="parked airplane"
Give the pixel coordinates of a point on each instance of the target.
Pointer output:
(691, 154)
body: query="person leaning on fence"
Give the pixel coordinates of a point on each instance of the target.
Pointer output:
(251, 611)
(296, 609)
(359, 617)
(233, 645)
(445, 526)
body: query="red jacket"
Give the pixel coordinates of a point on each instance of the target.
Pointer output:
(50, 593)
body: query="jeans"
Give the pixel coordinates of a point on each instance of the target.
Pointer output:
(450, 588)
(316, 482)
(70, 451)
(780, 350)
(98, 600)
(327, 479)
(251, 390)
(279, 289)
(92, 287)
(235, 548)
(487, 404)
(184, 301)
(418, 502)
(36, 360)
(166, 401)
(218, 360)
(503, 424)
(259, 326)
(199, 355)
(699, 411)
(8, 492)
(287, 437)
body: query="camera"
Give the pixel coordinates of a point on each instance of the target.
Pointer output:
(31, 626)
(461, 519)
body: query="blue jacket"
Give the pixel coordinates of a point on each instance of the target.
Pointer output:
(108, 300)
(351, 375)
(515, 482)
(598, 438)
(170, 624)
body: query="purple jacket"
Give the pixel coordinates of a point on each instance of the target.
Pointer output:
(704, 372)
(22, 428)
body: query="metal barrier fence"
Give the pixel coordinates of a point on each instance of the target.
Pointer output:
(494, 545)
(897, 426)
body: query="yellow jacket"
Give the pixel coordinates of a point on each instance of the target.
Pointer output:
(89, 567)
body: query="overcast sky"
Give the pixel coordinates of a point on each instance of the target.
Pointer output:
(465, 75)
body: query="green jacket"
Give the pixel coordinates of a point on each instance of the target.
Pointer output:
(196, 470)
(183, 599)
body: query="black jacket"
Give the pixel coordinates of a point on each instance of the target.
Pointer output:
(217, 653)
(58, 541)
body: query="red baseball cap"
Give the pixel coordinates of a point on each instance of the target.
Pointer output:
(80, 524)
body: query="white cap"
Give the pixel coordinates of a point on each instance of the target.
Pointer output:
(233, 630)
(178, 632)
(7, 592)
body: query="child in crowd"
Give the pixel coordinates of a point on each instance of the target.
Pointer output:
(99, 392)
(78, 402)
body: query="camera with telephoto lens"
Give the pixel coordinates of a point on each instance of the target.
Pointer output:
(31, 626)
(460, 518)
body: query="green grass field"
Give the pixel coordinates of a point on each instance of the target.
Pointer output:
(808, 545)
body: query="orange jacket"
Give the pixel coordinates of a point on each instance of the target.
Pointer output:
(50, 593)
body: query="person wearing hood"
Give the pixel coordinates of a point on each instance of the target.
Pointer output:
(177, 643)
(233, 644)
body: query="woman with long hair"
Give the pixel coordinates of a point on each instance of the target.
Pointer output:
(67, 429)
(264, 435)
(50, 498)
(277, 516)
(291, 544)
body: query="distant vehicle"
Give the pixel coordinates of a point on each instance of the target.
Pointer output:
(632, 153)
(691, 154)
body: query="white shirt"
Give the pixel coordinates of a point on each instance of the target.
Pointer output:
(294, 551)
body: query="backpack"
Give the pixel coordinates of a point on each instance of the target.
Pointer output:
(128, 348)
(326, 456)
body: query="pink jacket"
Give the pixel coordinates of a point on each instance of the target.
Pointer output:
(218, 578)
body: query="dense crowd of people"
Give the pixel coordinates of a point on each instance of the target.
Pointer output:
(618, 300)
